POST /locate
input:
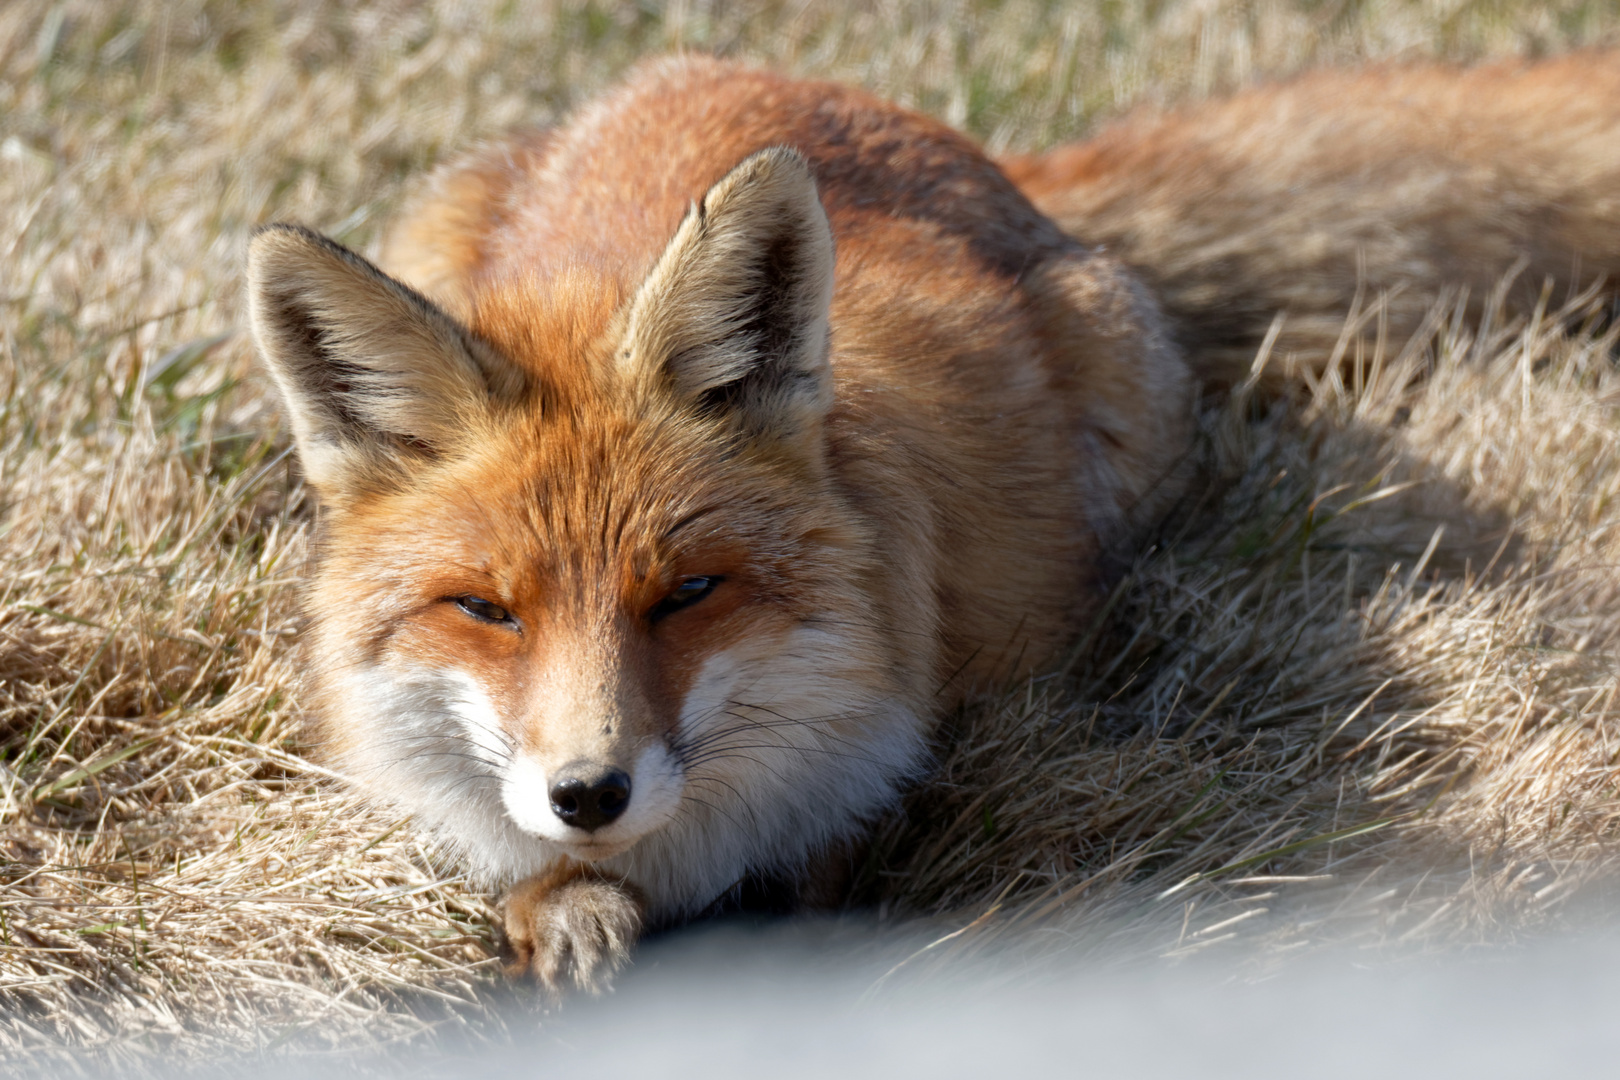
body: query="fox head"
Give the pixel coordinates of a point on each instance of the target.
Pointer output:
(588, 586)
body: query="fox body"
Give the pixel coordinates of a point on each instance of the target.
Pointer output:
(693, 457)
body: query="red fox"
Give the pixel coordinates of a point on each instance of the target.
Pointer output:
(693, 457)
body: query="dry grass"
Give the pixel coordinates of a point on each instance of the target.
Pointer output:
(1384, 654)
(1306, 678)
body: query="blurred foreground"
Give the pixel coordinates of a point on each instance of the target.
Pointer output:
(812, 1000)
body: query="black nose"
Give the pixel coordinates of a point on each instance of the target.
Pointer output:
(588, 796)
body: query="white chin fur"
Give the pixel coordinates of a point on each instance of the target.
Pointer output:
(788, 757)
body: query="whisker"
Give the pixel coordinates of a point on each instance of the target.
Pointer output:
(780, 720)
(712, 807)
(466, 780)
(696, 749)
(723, 752)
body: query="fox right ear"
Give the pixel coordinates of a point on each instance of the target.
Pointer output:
(733, 317)
(372, 373)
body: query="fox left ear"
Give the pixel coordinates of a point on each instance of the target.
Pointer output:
(733, 318)
(373, 375)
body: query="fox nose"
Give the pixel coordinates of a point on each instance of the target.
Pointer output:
(588, 796)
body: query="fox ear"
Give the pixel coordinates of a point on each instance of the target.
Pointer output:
(373, 374)
(733, 317)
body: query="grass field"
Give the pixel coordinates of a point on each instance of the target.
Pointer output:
(1365, 691)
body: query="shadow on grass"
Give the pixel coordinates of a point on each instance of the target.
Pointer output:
(1365, 612)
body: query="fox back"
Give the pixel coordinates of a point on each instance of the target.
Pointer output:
(1385, 184)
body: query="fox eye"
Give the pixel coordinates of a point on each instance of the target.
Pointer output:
(685, 594)
(483, 609)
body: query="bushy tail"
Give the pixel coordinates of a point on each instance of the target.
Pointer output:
(1380, 186)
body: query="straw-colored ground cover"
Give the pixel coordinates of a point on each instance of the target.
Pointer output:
(1379, 653)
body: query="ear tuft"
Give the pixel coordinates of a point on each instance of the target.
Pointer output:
(372, 373)
(733, 318)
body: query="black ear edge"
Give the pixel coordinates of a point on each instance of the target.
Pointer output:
(505, 381)
(267, 233)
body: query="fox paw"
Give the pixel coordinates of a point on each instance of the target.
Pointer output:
(573, 933)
